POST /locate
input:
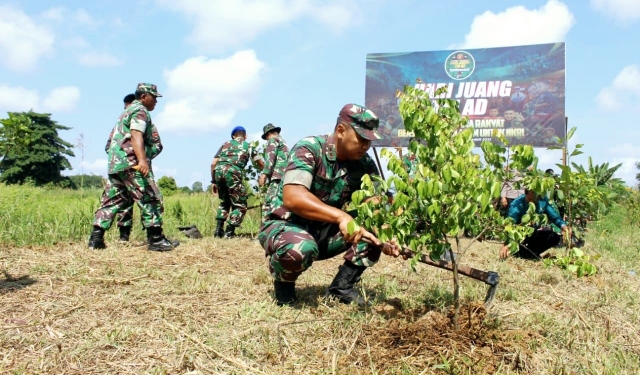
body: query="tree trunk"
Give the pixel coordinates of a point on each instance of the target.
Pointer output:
(456, 286)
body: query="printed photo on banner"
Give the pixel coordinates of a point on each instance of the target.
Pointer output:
(520, 90)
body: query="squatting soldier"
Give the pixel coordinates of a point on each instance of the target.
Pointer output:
(307, 222)
(125, 215)
(276, 154)
(227, 180)
(134, 143)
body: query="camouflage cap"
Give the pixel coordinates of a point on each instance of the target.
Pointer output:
(269, 127)
(148, 88)
(363, 120)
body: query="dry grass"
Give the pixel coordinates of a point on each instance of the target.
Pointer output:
(207, 308)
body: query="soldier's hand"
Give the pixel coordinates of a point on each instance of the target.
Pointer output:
(262, 179)
(214, 188)
(358, 235)
(143, 167)
(392, 249)
(504, 252)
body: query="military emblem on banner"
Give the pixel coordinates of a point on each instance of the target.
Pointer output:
(460, 65)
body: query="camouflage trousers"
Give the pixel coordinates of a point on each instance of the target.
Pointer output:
(124, 217)
(233, 197)
(125, 187)
(270, 198)
(292, 248)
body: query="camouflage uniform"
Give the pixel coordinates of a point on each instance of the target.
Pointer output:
(124, 183)
(229, 177)
(276, 154)
(293, 243)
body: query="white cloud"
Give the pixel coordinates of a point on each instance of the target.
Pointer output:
(518, 25)
(83, 17)
(622, 10)
(98, 166)
(62, 99)
(159, 172)
(627, 172)
(623, 92)
(94, 59)
(204, 94)
(625, 150)
(223, 24)
(18, 99)
(23, 41)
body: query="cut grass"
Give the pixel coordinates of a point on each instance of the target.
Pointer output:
(207, 307)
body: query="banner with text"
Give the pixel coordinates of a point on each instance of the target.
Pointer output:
(518, 90)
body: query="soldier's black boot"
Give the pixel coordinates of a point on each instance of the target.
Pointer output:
(230, 232)
(285, 293)
(219, 228)
(96, 239)
(158, 242)
(125, 233)
(342, 285)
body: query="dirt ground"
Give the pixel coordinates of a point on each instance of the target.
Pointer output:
(207, 307)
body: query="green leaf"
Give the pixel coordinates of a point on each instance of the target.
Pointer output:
(352, 227)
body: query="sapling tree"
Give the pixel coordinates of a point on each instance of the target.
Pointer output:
(448, 191)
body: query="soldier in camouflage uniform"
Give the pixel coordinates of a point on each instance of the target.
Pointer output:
(125, 215)
(227, 180)
(276, 154)
(134, 143)
(307, 221)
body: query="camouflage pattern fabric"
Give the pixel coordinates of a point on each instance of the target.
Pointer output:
(120, 153)
(276, 156)
(291, 242)
(270, 198)
(126, 185)
(233, 196)
(292, 248)
(312, 163)
(228, 176)
(153, 147)
(234, 155)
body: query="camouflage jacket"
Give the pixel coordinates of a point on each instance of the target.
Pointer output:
(153, 148)
(234, 156)
(312, 163)
(276, 155)
(120, 151)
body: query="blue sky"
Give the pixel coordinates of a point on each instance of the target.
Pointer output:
(293, 63)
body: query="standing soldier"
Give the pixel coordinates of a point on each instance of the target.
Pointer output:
(134, 143)
(276, 154)
(308, 223)
(227, 180)
(125, 215)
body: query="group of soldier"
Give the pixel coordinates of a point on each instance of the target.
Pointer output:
(307, 189)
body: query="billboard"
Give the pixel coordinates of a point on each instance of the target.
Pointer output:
(518, 90)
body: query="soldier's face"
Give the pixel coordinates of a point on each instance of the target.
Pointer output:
(272, 134)
(509, 115)
(349, 145)
(149, 101)
(126, 105)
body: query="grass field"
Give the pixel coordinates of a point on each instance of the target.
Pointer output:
(207, 307)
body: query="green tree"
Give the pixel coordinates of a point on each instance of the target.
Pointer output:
(448, 189)
(167, 185)
(638, 174)
(89, 181)
(44, 156)
(14, 133)
(197, 187)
